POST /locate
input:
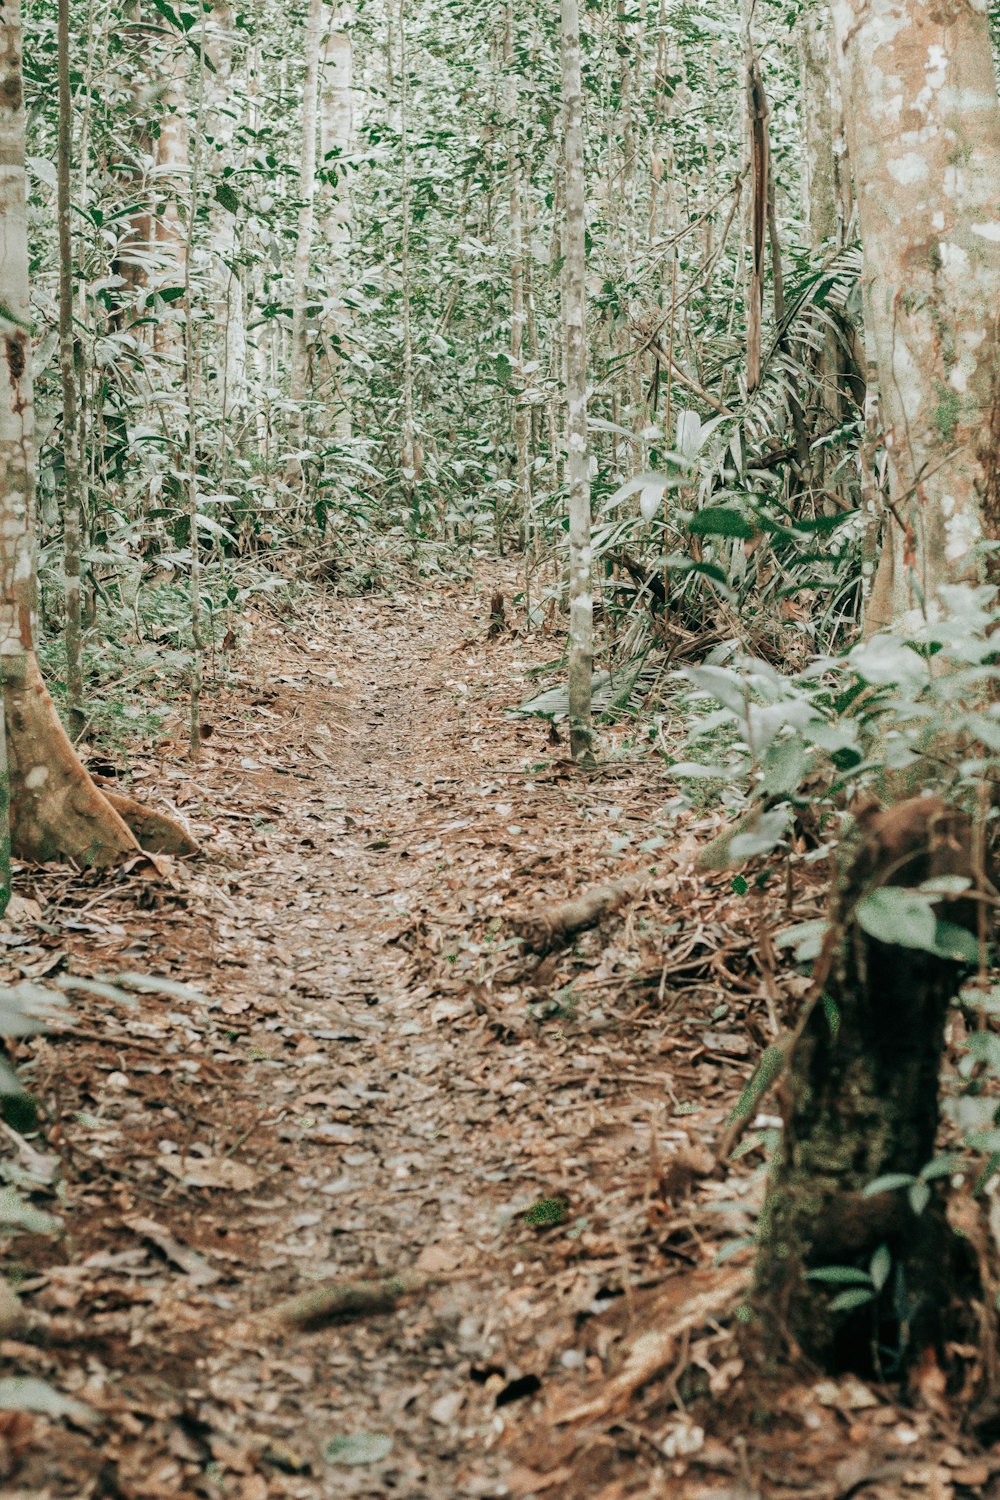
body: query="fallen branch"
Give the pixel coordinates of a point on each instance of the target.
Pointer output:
(545, 929)
(347, 1299)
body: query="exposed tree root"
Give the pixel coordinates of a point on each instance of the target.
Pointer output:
(56, 810)
(156, 832)
(682, 1308)
(546, 929)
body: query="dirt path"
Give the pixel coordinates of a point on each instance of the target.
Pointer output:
(379, 1081)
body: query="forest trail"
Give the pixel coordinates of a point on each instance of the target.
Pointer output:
(369, 1076)
(366, 1092)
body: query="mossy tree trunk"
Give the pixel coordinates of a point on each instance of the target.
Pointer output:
(861, 1102)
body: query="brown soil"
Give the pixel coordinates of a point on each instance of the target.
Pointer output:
(381, 1078)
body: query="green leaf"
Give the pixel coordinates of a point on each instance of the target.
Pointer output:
(880, 1266)
(694, 768)
(227, 197)
(888, 1183)
(358, 1448)
(899, 917)
(18, 1213)
(784, 766)
(762, 838)
(984, 1046)
(919, 1196)
(546, 1212)
(948, 1165)
(956, 943)
(43, 169)
(805, 937)
(772, 1060)
(840, 1275)
(849, 1300)
(885, 661)
(721, 520)
(733, 1247)
(981, 1140)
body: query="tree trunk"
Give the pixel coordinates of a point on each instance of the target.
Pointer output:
(410, 461)
(171, 167)
(231, 338)
(574, 295)
(924, 134)
(861, 1102)
(819, 195)
(56, 810)
(307, 201)
(518, 313)
(336, 124)
(73, 472)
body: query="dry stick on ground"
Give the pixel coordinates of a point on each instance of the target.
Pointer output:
(347, 1299)
(547, 928)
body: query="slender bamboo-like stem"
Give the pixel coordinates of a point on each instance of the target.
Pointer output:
(409, 443)
(518, 300)
(190, 351)
(307, 211)
(574, 298)
(73, 479)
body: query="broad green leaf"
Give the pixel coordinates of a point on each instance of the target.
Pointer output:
(897, 916)
(784, 766)
(885, 661)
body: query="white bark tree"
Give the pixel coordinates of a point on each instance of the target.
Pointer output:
(231, 341)
(336, 125)
(574, 304)
(307, 205)
(924, 136)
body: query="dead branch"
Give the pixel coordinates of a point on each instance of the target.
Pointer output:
(547, 928)
(347, 1299)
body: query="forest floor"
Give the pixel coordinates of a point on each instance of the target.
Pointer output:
(370, 1075)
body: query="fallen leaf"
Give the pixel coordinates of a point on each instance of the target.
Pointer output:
(190, 1262)
(28, 1393)
(359, 1448)
(446, 1408)
(211, 1172)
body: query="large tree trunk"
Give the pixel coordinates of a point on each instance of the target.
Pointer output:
(861, 1102)
(56, 810)
(924, 135)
